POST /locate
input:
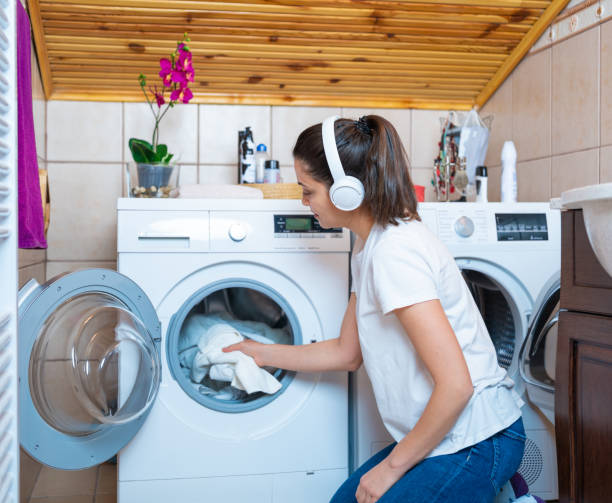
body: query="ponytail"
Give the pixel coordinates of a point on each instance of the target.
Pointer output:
(370, 149)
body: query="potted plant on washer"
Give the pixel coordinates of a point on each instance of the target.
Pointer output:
(152, 174)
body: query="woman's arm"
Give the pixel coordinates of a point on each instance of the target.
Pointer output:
(435, 342)
(342, 353)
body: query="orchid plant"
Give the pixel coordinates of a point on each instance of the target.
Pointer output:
(176, 73)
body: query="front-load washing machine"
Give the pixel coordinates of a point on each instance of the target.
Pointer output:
(102, 366)
(509, 255)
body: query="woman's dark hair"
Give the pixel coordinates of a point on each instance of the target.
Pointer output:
(370, 149)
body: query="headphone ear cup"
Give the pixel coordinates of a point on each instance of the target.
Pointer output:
(347, 193)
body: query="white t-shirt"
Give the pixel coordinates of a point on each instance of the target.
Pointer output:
(400, 266)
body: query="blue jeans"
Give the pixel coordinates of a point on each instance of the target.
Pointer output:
(472, 475)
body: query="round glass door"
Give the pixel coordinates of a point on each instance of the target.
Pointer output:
(90, 367)
(251, 309)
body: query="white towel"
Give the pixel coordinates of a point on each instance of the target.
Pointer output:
(235, 367)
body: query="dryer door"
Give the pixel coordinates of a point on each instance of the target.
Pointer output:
(505, 306)
(538, 352)
(89, 366)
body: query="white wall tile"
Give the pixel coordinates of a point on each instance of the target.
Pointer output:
(58, 267)
(422, 176)
(606, 83)
(425, 136)
(288, 123)
(574, 170)
(84, 131)
(39, 108)
(83, 224)
(533, 180)
(605, 164)
(188, 174)
(288, 174)
(400, 118)
(218, 174)
(219, 126)
(500, 106)
(178, 129)
(575, 112)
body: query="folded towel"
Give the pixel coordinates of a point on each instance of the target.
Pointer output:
(235, 367)
(216, 191)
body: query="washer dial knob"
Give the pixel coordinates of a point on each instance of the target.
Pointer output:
(237, 232)
(464, 227)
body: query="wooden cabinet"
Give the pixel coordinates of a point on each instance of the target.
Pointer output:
(583, 389)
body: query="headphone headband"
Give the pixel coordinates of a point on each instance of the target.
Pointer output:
(330, 148)
(346, 193)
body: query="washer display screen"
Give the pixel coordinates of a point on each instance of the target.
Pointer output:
(521, 226)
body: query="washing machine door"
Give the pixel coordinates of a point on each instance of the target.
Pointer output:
(538, 352)
(89, 366)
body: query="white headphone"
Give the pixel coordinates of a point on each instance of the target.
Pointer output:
(346, 193)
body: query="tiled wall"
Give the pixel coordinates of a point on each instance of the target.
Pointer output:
(557, 108)
(87, 148)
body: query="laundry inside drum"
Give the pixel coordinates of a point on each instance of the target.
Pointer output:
(226, 316)
(496, 313)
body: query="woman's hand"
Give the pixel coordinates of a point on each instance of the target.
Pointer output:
(377, 482)
(249, 348)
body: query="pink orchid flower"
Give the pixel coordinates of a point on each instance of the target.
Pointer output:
(182, 94)
(185, 65)
(166, 71)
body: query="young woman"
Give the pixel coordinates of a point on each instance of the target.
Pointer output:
(412, 322)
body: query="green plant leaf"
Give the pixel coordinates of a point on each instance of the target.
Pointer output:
(167, 158)
(162, 150)
(142, 151)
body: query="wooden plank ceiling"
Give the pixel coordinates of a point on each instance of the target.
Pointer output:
(380, 53)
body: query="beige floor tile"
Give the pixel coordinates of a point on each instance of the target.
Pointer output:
(36, 271)
(28, 473)
(53, 482)
(64, 499)
(57, 267)
(107, 478)
(575, 112)
(27, 257)
(106, 498)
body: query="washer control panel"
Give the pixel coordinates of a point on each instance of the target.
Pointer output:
(302, 226)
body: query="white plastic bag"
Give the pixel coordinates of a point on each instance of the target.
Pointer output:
(473, 143)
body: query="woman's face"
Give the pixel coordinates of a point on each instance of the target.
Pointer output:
(315, 194)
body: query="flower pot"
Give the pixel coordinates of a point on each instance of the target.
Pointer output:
(151, 180)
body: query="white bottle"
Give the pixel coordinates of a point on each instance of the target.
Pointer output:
(247, 157)
(508, 175)
(261, 156)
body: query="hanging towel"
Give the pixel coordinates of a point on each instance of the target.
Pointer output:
(235, 367)
(31, 221)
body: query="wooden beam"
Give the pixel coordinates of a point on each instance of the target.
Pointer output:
(549, 15)
(41, 47)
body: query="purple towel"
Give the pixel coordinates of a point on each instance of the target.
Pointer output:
(31, 220)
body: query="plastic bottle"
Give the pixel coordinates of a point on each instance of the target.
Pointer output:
(247, 157)
(261, 156)
(481, 184)
(271, 172)
(508, 176)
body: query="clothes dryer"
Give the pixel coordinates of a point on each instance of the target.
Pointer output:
(101, 367)
(509, 255)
